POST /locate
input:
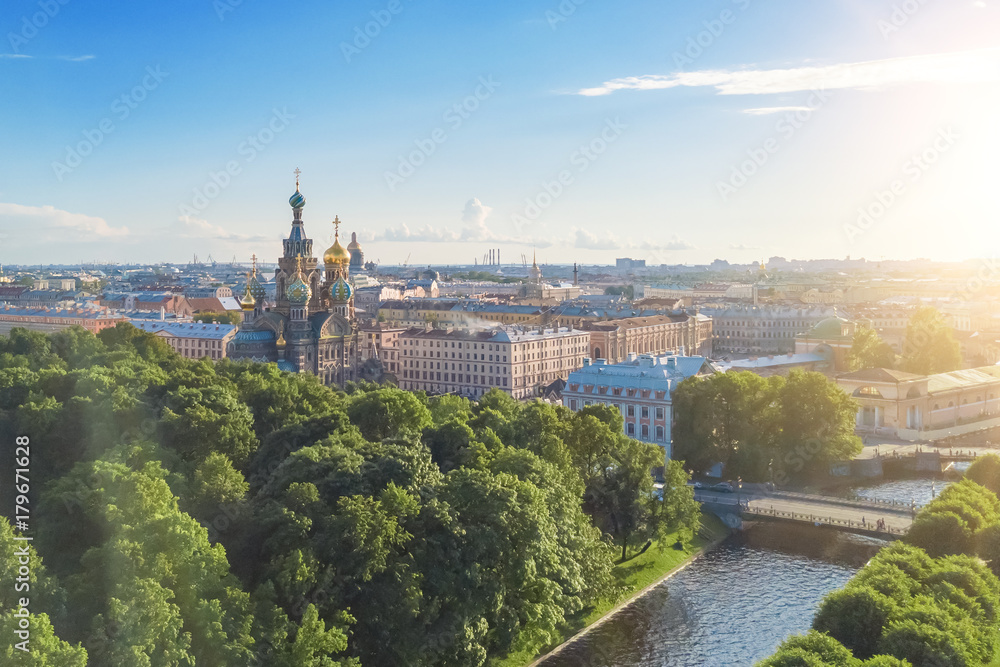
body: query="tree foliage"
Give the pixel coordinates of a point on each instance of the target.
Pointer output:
(926, 601)
(193, 513)
(868, 350)
(930, 345)
(759, 428)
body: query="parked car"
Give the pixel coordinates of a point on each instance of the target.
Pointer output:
(723, 487)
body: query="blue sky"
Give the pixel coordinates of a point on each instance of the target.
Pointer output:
(587, 131)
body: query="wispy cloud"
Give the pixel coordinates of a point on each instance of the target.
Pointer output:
(197, 228)
(977, 66)
(57, 224)
(675, 243)
(740, 246)
(70, 59)
(764, 111)
(475, 230)
(425, 234)
(586, 240)
(589, 241)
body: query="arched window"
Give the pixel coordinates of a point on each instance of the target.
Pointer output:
(868, 392)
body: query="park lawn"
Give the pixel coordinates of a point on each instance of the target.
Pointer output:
(635, 574)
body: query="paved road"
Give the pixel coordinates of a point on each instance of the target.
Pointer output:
(826, 513)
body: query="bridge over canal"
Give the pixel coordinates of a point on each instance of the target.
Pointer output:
(854, 516)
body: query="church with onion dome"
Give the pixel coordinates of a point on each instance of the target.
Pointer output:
(310, 327)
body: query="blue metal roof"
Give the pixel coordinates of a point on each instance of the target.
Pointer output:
(82, 314)
(187, 329)
(248, 335)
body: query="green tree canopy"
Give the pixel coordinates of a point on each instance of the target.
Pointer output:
(930, 345)
(868, 350)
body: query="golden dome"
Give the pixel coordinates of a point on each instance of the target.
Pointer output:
(248, 302)
(337, 254)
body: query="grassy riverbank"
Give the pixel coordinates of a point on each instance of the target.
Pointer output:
(635, 575)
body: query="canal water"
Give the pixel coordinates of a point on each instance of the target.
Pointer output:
(736, 604)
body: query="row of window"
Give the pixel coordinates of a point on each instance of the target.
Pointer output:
(627, 410)
(763, 334)
(765, 323)
(474, 367)
(644, 432)
(491, 380)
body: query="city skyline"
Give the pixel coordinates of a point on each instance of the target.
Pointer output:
(587, 131)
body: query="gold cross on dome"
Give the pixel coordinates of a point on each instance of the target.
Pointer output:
(254, 258)
(336, 226)
(297, 173)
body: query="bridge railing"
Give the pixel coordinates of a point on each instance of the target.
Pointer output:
(867, 526)
(861, 503)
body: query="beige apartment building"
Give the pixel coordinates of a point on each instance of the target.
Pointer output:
(380, 341)
(658, 335)
(516, 360)
(191, 340)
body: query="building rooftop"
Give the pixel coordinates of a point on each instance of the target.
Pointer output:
(772, 361)
(959, 379)
(645, 371)
(510, 334)
(79, 312)
(638, 322)
(186, 329)
(880, 375)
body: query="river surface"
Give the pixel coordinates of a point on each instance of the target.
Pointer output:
(736, 604)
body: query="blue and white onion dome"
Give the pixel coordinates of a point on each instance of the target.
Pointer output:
(297, 200)
(342, 290)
